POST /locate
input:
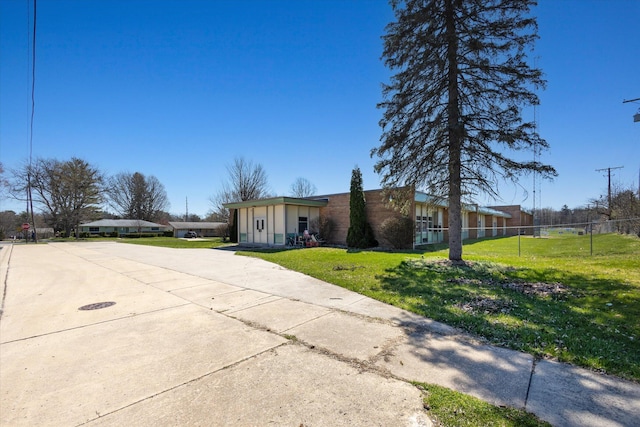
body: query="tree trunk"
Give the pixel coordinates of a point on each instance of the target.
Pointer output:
(455, 138)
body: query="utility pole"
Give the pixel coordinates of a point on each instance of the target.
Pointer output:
(609, 187)
(636, 117)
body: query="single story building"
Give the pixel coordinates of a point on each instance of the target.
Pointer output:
(121, 227)
(276, 221)
(520, 220)
(203, 229)
(270, 222)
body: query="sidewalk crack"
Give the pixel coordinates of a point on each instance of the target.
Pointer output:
(533, 370)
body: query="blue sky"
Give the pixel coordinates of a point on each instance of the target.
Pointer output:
(177, 89)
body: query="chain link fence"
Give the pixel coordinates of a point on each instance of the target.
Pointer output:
(572, 239)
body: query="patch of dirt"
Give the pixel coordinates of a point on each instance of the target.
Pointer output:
(538, 288)
(485, 305)
(346, 267)
(541, 289)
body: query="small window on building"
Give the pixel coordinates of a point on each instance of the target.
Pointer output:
(303, 223)
(94, 229)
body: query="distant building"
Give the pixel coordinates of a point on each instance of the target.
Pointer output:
(202, 229)
(520, 220)
(121, 227)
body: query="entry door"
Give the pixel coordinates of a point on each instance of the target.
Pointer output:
(260, 229)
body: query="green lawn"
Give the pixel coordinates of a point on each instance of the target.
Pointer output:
(172, 242)
(553, 301)
(451, 408)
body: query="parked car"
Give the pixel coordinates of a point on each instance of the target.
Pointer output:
(190, 234)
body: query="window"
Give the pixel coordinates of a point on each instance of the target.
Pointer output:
(94, 229)
(303, 223)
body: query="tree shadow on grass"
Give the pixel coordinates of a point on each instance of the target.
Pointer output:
(594, 324)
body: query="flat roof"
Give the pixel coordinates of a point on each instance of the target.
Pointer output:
(275, 201)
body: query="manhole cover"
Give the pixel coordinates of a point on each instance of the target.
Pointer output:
(97, 305)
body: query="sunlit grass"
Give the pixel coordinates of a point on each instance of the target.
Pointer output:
(451, 408)
(173, 242)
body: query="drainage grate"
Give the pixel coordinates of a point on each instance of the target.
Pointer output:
(97, 305)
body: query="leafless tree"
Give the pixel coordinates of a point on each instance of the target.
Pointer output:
(135, 196)
(4, 184)
(302, 187)
(245, 181)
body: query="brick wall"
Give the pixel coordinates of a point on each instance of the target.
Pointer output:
(338, 210)
(518, 218)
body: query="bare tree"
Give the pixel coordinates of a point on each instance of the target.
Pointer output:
(245, 181)
(9, 224)
(4, 184)
(68, 192)
(302, 187)
(135, 196)
(625, 208)
(452, 112)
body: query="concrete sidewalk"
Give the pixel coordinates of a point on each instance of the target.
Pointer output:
(205, 337)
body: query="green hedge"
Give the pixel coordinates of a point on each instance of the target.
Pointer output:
(139, 235)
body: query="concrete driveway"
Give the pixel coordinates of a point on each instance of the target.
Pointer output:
(96, 333)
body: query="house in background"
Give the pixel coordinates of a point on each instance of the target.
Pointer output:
(270, 222)
(203, 229)
(121, 227)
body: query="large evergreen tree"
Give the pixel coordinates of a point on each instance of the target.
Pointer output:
(360, 233)
(452, 119)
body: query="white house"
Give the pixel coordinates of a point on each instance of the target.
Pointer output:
(121, 227)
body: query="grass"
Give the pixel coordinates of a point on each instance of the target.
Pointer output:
(554, 301)
(451, 408)
(166, 242)
(172, 242)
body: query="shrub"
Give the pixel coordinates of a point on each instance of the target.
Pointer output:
(138, 235)
(222, 231)
(325, 226)
(398, 231)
